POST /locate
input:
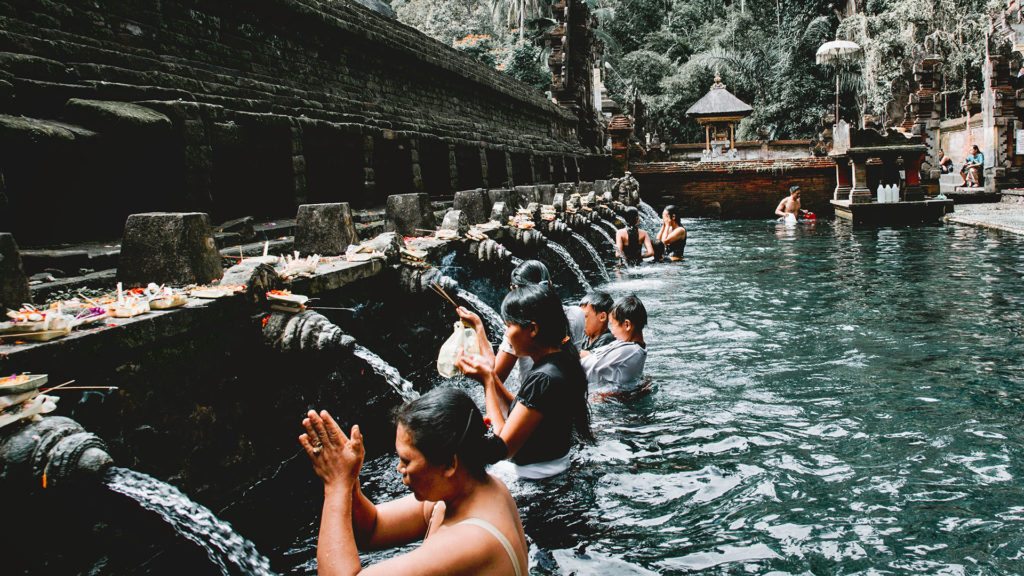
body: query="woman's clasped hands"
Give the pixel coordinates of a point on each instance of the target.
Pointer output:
(336, 458)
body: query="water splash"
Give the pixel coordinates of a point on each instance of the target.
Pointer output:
(495, 325)
(649, 219)
(225, 548)
(603, 232)
(593, 256)
(570, 263)
(606, 226)
(386, 371)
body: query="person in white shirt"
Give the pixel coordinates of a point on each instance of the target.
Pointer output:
(619, 366)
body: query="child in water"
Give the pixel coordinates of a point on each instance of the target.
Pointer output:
(619, 367)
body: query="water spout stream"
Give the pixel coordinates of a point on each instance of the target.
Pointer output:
(649, 219)
(386, 371)
(603, 232)
(495, 325)
(225, 548)
(570, 263)
(593, 255)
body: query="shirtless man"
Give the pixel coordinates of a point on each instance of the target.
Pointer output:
(790, 204)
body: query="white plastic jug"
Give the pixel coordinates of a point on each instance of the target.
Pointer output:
(464, 338)
(880, 193)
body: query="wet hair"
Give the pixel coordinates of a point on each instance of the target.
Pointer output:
(793, 190)
(632, 216)
(445, 422)
(537, 304)
(632, 309)
(530, 272)
(673, 211)
(599, 300)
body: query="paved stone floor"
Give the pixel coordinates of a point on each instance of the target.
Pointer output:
(995, 215)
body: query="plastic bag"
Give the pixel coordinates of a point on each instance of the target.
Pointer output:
(464, 338)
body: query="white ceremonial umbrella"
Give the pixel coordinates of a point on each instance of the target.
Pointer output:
(831, 53)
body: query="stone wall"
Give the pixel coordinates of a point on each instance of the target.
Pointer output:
(250, 108)
(744, 189)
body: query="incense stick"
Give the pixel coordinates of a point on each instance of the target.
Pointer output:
(35, 333)
(58, 386)
(44, 390)
(441, 291)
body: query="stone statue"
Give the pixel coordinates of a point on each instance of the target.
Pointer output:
(627, 190)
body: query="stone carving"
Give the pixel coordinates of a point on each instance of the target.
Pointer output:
(627, 190)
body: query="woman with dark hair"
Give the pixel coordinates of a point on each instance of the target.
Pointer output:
(467, 519)
(671, 238)
(633, 244)
(541, 423)
(527, 273)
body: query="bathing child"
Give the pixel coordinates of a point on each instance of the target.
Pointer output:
(596, 307)
(541, 423)
(467, 519)
(619, 367)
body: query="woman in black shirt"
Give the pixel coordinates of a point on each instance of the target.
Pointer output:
(543, 420)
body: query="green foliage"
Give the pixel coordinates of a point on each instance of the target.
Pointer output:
(525, 66)
(663, 54)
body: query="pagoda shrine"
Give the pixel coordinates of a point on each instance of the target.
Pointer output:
(719, 111)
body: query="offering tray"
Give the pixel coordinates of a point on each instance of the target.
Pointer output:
(168, 301)
(128, 309)
(288, 297)
(20, 383)
(215, 291)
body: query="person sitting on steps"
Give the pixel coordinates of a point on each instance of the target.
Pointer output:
(972, 170)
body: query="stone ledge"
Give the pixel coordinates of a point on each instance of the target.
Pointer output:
(126, 334)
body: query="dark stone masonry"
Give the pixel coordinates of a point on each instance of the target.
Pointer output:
(111, 107)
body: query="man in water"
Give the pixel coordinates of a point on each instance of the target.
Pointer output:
(789, 208)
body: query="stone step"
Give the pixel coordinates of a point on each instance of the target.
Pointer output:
(1012, 196)
(68, 261)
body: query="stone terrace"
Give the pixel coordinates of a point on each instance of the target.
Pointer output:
(113, 107)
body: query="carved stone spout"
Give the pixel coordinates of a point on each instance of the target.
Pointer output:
(50, 452)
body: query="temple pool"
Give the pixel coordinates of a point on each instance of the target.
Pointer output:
(828, 401)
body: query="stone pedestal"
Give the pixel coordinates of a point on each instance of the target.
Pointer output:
(559, 202)
(474, 203)
(409, 214)
(505, 195)
(859, 192)
(547, 193)
(501, 212)
(168, 248)
(324, 229)
(455, 220)
(525, 195)
(13, 283)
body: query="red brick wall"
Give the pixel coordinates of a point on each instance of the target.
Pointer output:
(740, 190)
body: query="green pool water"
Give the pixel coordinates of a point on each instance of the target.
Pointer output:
(827, 401)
